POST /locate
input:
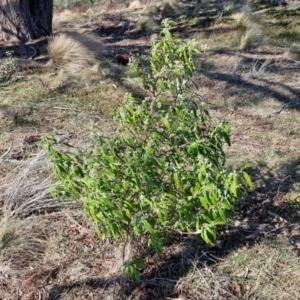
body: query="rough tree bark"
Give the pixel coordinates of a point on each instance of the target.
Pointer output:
(25, 20)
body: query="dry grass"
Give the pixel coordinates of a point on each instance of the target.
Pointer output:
(48, 255)
(204, 4)
(170, 10)
(293, 52)
(243, 20)
(251, 38)
(45, 242)
(135, 4)
(151, 9)
(26, 189)
(74, 52)
(246, 274)
(229, 9)
(147, 25)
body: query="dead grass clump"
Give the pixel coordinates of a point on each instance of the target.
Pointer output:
(228, 9)
(85, 78)
(251, 38)
(259, 68)
(135, 4)
(169, 10)
(147, 25)
(151, 10)
(243, 21)
(74, 52)
(27, 189)
(38, 250)
(204, 4)
(292, 52)
(7, 234)
(22, 244)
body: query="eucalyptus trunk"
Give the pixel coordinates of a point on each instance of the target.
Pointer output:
(25, 20)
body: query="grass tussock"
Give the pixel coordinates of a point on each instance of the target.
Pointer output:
(252, 38)
(204, 4)
(27, 189)
(243, 21)
(170, 10)
(229, 9)
(22, 242)
(147, 25)
(151, 10)
(293, 52)
(135, 4)
(86, 78)
(7, 234)
(74, 52)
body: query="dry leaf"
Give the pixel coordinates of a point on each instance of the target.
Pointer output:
(237, 287)
(137, 289)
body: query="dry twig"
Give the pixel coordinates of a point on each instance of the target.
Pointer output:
(7, 151)
(288, 105)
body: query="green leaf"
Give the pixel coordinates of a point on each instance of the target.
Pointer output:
(148, 226)
(204, 202)
(176, 180)
(61, 169)
(125, 185)
(248, 180)
(205, 236)
(66, 157)
(211, 231)
(234, 187)
(78, 172)
(167, 124)
(108, 173)
(159, 214)
(136, 231)
(157, 246)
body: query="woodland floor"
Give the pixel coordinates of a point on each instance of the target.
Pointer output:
(48, 250)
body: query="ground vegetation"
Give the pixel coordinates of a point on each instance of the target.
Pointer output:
(49, 249)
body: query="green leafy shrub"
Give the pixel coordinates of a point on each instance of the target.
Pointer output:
(8, 67)
(163, 170)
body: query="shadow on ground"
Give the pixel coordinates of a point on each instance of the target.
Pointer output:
(262, 215)
(287, 94)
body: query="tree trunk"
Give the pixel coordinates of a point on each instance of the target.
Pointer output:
(25, 20)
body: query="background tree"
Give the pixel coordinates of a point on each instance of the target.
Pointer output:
(24, 20)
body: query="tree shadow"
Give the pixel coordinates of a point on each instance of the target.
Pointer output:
(265, 87)
(31, 50)
(266, 212)
(109, 286)
(159, 282)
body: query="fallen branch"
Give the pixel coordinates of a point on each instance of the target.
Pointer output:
(34, 52)
(7, 151)
(288, 105)
(66, 108)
